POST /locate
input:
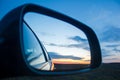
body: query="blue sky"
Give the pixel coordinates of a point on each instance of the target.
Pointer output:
(102, 16)
(59, 37)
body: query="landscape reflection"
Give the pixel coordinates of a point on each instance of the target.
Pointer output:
(66, 45)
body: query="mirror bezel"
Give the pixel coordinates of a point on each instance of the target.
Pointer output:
(92, 38)
(16, 17)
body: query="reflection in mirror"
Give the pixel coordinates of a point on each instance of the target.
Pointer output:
(66, 45)
(34, 52)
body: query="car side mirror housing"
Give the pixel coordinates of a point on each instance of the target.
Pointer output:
(38, 41)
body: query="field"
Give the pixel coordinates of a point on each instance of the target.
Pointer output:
(65, 67)
(105, 72)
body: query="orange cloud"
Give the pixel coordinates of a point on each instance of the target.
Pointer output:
(69, 61)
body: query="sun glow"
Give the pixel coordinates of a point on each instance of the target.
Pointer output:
(69, 61)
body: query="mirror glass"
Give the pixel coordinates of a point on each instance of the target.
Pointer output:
(60, 46)
(34, 53)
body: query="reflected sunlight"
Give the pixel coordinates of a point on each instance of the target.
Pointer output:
(69, 61)
(64, 42)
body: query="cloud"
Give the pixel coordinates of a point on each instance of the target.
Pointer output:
(77, 39)
(78, 45)
(116, 50)
(46, 34)
(55, 55)
(110, 49)
(105, 53)
(57, 45)
(84, 46)
(110, 43)
(111, 58)
(111, 34)
(113, 45)
(81, 43)
(52, 44)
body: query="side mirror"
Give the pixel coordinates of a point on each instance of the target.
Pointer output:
(67, 45)
(38, 41)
